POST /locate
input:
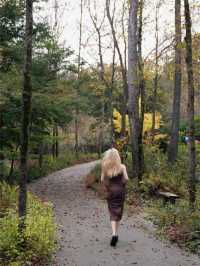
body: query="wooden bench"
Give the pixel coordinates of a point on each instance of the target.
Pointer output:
(168, 197)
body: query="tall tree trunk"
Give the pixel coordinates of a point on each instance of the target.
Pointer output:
(79, 71)
(109, 85)
(133, 85)
(100, 142)
(26, 114)
(173, 145)
(191, 129)
(141, 87)
(40, 159)
(123, 71)
(76, 132)
(12, 167)
(56, 142)
(80, 37)
(155, 87)
(11, 170)
(1, 149)
(111, 98)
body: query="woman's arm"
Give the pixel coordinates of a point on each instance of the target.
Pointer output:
(102, 177)
(125, 173)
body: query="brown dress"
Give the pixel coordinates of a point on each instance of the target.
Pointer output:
(116, 196)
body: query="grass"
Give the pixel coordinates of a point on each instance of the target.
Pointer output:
(40, 232)
(177, 223)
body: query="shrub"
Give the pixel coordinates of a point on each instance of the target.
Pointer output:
(39, 233)
(159, 174)
(51, 164)
(8, 195)
(178, 223)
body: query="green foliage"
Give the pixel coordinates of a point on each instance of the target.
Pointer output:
(51, 164)
(8, 197)
(39, 233)
(50, 104)
(178, 223)
(159, 174)
(184, 126)
(65, 160)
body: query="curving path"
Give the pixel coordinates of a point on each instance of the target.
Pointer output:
(84, 229)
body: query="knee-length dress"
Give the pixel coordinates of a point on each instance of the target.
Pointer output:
(116, 196)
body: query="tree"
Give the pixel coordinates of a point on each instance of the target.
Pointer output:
(106, 81)
(141, 87)
(155, 87)
(122, 68)
(79, 71)
(173, 145)
(133, 87)
(191, 123)
(26, 110)
(101, 71)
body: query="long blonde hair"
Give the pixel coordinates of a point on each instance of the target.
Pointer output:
(111, 163)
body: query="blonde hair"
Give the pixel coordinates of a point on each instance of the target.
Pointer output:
(111, 163)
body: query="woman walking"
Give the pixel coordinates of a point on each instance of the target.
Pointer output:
(114, 176)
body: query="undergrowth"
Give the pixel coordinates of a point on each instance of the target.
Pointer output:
(49, 165)
(39, 234)
(177, 222)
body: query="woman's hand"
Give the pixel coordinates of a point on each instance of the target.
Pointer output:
(125, 173)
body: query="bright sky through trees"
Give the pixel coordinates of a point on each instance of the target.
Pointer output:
(68, 15)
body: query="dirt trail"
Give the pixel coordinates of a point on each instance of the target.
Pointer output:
(84, 229)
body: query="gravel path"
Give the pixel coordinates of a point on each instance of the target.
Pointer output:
(84, 229)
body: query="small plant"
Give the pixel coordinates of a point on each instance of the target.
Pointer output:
(8, 196)
(178, 223)
(39, 233)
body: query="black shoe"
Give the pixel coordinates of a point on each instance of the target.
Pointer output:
(113, 241)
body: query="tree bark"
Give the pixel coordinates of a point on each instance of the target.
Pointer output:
(141, 87)
(101, 70)
(191, 127)
(26, 114)
(111, 97)
(173, 145)
(12, 167)
(155, 87)
(79, 71)
(1, 149)
(123, 71)
(133, 86)
(76, 132)
(40, 160)
(80, 38)
(56, 142)
(54, 145)
(11, 170)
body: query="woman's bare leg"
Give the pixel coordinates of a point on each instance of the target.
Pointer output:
(114, 227)
(117, 227)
